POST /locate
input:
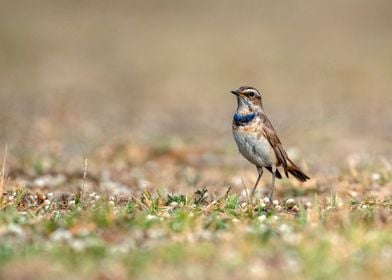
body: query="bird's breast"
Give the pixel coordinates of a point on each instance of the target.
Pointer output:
(253, 144)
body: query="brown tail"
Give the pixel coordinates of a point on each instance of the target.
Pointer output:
(296, 172)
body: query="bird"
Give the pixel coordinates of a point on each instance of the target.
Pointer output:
(257, 140)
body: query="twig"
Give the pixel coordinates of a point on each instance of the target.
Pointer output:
(226, 195)
(84, 176)
(246, 190)
(227, 192)
(2, 179)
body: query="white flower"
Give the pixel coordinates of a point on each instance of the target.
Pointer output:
(150, 217)
(60, 235)
(262, 218)
(376, 177)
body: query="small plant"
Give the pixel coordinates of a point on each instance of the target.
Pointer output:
(179, 199)
(232, 202)
(201, 196)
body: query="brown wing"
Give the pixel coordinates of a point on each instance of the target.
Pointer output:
(273, 139)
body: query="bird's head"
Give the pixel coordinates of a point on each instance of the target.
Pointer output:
(248, 98)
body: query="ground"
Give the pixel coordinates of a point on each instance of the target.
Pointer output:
(118, 224)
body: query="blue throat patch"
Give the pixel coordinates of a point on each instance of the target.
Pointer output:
(243, 119)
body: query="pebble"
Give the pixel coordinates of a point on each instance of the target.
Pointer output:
(290, 202)
(15, 229)
(71, 203)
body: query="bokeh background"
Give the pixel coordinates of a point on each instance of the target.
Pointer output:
(141, 89)
(83, 74)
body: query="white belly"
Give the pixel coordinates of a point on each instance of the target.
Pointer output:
(257, 151)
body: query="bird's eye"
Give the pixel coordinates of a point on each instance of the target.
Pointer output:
(251, 94)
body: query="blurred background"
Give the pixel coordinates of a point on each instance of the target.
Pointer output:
(83, 74)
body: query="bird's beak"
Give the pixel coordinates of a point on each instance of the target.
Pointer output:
(235, 92)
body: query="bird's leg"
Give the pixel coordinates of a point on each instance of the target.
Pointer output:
(260, 171)
(273, 170)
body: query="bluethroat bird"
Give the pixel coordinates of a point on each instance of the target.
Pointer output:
(257, 140)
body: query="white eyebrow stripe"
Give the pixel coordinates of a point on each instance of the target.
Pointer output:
(250, 90)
